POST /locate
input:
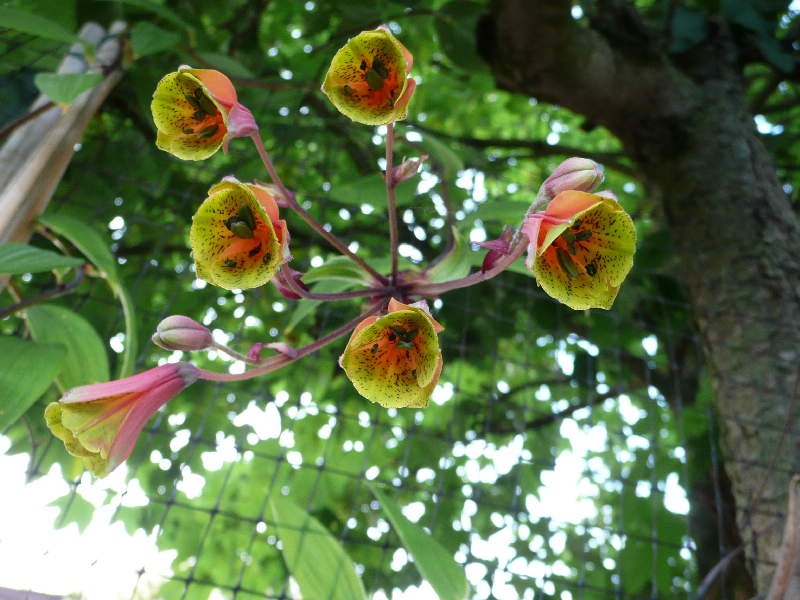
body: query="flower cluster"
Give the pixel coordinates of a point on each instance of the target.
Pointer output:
(580, 249)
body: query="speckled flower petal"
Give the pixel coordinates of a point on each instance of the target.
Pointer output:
(367, 78)
(583, 263)
(394, 360)
(191, 123)
(222, 257)
(216, 82)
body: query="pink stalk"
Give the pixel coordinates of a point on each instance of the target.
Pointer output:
(391, 200)
(295, 206)
(276, 362)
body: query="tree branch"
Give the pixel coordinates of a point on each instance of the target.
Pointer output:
(539, 148)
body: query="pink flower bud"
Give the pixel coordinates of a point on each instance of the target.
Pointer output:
(579, 174)
(177, 332)
(407, 169)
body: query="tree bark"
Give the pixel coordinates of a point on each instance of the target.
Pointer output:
(684, 122)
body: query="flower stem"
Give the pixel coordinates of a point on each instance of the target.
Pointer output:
(276, 362)
(290, 282)
(391, 200)
(435, 289)
(295, 206)
(234, 354)
(517, 247)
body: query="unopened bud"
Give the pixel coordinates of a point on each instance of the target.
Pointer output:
(407, 169)
(177, 332)
(283, 286)
(580, 174)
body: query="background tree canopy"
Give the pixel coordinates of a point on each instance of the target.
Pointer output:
(560, 449)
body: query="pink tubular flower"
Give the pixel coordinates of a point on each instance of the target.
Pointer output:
(100, 423)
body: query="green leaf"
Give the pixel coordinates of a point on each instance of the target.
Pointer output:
(509, 212)
(340, 268)
(442, 154)
(453, 265)
(313, 556)
(771, 50)
(86, 361)
(28, 22)
(63, 88)
(226, 64)
(435, 564)
(88, 241)
(305, 306)
(73, 508)
(18, 258)
(157, 9)
(26, 371)
(147, 38)
(371, 189)
(456, 23)
(689, 27)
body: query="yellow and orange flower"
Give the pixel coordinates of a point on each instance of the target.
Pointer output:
(197, 112)
(395, 359)
(581, 248)
(237, 238)
(368, 78)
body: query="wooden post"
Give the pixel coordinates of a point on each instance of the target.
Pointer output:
(36, 154)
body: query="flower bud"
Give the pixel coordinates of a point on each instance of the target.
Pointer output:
(579, 174)
(177, 332)
(407, 169)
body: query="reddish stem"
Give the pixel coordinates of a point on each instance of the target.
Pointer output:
(292, 284)
(391, 200)
(295, 206)
(276, 362)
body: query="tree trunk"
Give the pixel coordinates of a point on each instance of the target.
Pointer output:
(687, 128)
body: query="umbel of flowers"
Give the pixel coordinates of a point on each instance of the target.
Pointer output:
(580, 247)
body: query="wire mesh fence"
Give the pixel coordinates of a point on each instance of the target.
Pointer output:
(563, 455)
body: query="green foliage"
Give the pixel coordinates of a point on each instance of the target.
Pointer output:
(63, 88)
(147, 38)
(39, 362)
(95, 249)
(86, 359)
(313, 557)
(523, 375)
(434, 563)
(17, 258)
(35, 24)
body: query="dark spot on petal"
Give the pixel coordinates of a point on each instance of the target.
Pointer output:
(266, 257)
(208, 132)
(591, 269)
(374, 348)
(229, 263)
(379, 68)
(254, 251)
